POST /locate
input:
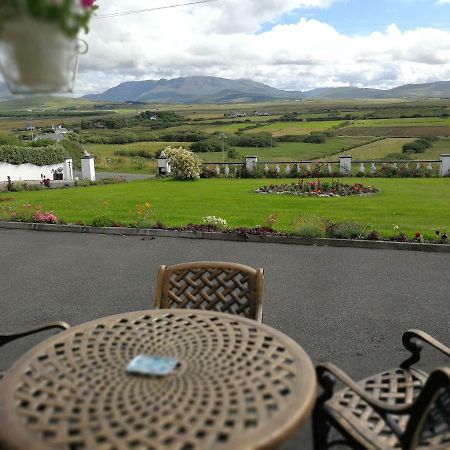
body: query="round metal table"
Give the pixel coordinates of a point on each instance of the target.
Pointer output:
(238, 385)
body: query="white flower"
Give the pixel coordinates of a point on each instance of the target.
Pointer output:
(185, 165)
(215, 221)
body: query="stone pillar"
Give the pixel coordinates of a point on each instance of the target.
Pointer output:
(163, 164)
(68, 170)
(345, 165)
(445, 165)
(251, 163)
(88, 168)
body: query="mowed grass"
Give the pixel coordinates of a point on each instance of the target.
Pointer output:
(291, 151)
(412, 204)
(296, 128)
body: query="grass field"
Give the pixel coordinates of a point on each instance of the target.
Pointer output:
(107, 161)
(299, 128)
(378, 149)
(412, 204)
(291, 151)
(396, 131)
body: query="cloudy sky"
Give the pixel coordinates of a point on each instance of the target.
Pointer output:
(288, 44)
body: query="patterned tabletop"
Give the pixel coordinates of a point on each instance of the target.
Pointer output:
(238, 385)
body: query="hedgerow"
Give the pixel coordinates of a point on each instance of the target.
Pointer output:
(39, 156)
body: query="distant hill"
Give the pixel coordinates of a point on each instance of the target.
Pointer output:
(192, 90)
(199, 89)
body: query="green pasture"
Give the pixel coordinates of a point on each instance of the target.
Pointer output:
(300, 128)
(407, 122)
(412, 204)
(107, 161)
(290, 151)
(377, 150)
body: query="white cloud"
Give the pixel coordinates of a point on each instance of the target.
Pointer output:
(222, 39)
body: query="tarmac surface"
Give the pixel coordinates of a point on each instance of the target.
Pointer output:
(345, 305)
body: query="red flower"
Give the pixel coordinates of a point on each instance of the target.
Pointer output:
(87, 3)
(417, 235)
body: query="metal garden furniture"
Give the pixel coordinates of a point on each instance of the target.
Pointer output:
(403, 408)
(213, 286)
(9, 337)
(238, 384)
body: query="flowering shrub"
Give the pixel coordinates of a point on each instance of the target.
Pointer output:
(215, 221)
(185, 165)
(70, 15)
(44, 217)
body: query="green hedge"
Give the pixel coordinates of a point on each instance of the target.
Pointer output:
(40, 156)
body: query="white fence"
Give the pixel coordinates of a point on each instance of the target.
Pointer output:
(345, 166)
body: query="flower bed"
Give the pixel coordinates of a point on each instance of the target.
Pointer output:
(318, 189)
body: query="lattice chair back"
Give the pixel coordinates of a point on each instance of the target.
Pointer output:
(429, 425)
(215, 286)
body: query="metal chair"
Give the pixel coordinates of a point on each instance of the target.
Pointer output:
(215, 286)
(9, 337)
(403, 408)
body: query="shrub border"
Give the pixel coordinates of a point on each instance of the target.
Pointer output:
(217, 236)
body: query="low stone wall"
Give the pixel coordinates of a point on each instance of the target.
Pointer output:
(30, 172)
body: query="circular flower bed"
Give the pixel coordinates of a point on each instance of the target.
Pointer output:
(318, 189)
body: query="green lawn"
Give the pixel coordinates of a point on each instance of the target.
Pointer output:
(413, 204)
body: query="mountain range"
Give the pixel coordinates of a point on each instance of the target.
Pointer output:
(199, 89)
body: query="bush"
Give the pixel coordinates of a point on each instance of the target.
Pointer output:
(252, 140)
(208, 172)
(102, 221)
(310, 226)
(209, 145)
(232, 153)
(135, 153)
(347, 230)
(214, 221)
(39, 156)
(315, 138)
(185, 165)
(419, 145)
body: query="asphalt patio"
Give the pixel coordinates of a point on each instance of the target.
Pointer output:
(345, 305)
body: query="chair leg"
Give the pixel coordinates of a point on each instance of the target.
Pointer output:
(321, 428)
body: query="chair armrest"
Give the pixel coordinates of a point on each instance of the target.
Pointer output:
(8, 337)
(411, 335)
(379, 406)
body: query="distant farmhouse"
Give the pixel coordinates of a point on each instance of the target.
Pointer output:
(59, 134)
(234, 115)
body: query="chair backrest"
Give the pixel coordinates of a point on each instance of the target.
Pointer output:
(429, 424)
(209, 285)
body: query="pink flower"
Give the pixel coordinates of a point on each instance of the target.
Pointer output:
(87, 3)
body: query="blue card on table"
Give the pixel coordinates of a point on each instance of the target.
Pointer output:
(152, 365)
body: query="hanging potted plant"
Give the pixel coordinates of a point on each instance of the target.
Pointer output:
(39, 45)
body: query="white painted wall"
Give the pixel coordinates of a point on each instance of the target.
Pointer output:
(30, 172)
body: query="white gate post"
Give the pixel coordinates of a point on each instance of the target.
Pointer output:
(445, 165)
(88, 168)
(251, 162)
(163, 164)
(345, 165)
(68, 170)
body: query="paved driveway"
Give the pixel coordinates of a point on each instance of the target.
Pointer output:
(346, 305)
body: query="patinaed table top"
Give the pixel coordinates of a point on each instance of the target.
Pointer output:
(238, 385)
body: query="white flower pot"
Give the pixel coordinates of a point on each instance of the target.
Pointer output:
(37, 57)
